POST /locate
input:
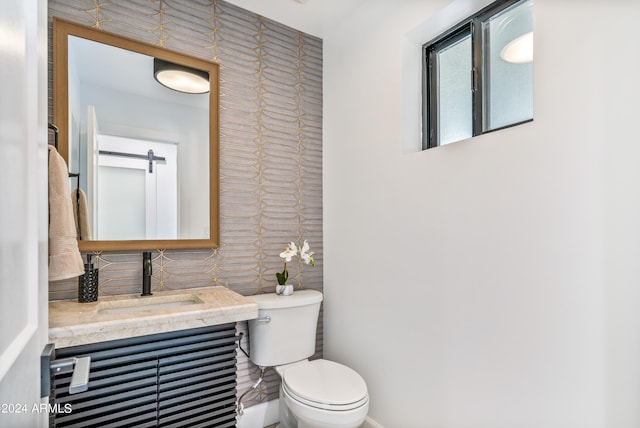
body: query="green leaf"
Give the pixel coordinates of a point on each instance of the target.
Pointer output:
(282, 277)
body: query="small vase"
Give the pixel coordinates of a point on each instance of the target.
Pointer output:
(284, 290)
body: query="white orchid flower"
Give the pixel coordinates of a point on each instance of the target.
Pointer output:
(308, 258)
(289, 252)
(306, 255)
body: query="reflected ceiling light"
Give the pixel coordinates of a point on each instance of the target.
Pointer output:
(519, 50)
(180, 78)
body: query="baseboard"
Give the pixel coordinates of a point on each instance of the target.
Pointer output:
(265, 414)
(259, 416)
(370, 423)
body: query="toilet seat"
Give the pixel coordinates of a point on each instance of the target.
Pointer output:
(325, 385)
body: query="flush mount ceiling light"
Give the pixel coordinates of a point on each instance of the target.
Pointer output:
(180, 78)
(519, 50)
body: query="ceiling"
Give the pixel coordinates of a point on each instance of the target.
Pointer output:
(315, 17)
(100, 65)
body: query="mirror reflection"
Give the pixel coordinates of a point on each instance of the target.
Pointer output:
(143, 151)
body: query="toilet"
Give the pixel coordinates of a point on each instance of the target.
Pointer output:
(313, 394)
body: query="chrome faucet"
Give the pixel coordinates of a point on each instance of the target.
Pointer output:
(146, 273)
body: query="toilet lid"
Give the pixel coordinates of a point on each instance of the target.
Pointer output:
(325, 383)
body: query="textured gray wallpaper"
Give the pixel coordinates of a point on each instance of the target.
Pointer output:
(270, 150)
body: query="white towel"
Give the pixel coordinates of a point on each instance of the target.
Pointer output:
(65, 260)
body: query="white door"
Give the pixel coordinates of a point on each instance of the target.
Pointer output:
(92, 169)
(126, 199)
(136, 198)
(23, 210)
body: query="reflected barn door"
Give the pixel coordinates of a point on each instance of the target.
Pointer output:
(92, 170)
(137, 189)
(124, 199)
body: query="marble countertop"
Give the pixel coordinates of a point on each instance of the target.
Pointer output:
(117, 317)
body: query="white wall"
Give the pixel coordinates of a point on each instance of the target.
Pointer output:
(492, 282)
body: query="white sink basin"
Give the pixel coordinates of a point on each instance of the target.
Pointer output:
(147, 303)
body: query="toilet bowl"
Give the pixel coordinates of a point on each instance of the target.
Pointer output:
(322, 394)
(313, 394)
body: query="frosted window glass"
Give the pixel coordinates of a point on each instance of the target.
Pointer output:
(454, 92)
(510, 84)
(478, 76)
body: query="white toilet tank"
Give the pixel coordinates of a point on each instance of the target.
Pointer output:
(285, 330)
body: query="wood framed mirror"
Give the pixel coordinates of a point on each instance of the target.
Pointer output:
(146, 155)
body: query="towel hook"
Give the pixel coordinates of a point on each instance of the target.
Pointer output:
(55, 135)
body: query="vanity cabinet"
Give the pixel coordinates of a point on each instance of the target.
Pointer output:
(185, 378)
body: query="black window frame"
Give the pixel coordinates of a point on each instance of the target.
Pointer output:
(472, 26)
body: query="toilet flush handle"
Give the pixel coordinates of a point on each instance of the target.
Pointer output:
(265, 319)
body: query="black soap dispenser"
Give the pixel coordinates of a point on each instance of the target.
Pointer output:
(88, 283)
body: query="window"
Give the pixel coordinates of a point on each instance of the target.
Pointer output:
(478, 77)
